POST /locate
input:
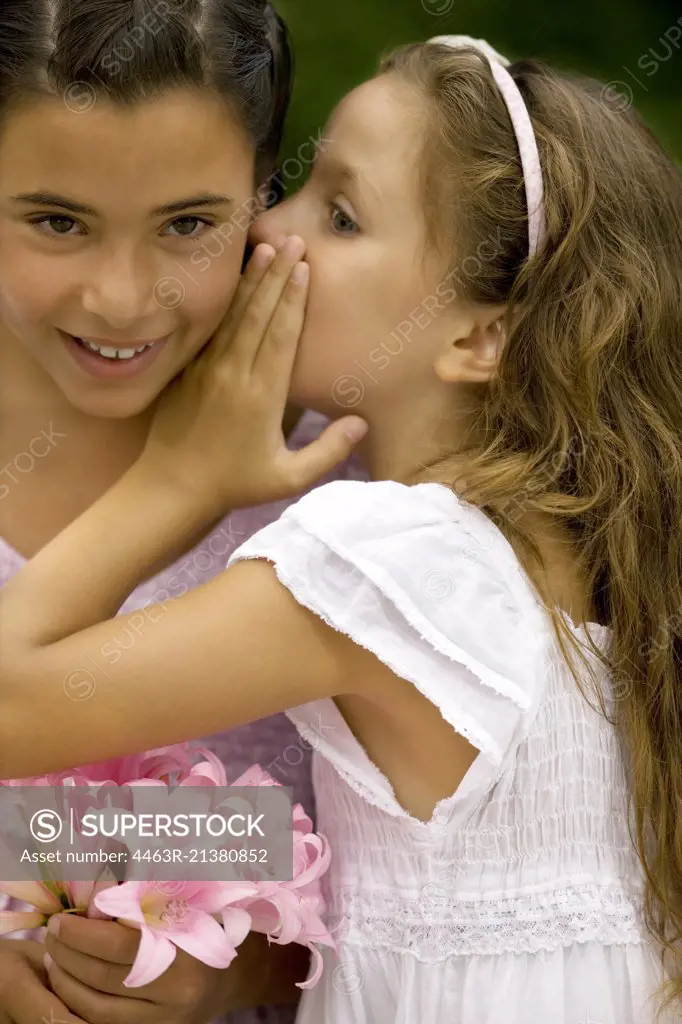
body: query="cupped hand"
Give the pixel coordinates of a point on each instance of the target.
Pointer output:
(217, 434)
(91, 958)
(25, 996)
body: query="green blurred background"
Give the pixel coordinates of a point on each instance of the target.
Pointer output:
(337, 43)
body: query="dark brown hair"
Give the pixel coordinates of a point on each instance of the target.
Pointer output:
(129, 50)
(583, 421)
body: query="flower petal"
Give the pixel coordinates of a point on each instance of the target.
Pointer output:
(315, 850)
(107, 880)
(17, 921)
(154, 956)
(290, 920)
(80, 894)
(212, 897)
(122, 901)
(203, 938)
(315, 976)
(211, 768)
(34, 893)
(264, 917)
(237, 924)
(302, 823)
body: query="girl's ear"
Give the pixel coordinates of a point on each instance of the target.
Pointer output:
(474, 357)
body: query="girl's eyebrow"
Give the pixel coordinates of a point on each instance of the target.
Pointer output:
(53, 199)
(336, 168)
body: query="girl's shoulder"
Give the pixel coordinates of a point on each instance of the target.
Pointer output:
(417, 561)
(424, 533)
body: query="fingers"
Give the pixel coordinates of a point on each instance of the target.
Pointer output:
(106, 940)
(102, 975)
(34, 953)
(256, 269)
(277, 353)
(255, 321)
(184, 980)
(97, 1008)
(27, 1001)
(333, 446)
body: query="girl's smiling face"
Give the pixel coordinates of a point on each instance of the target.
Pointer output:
(361, 216)
(98, 258)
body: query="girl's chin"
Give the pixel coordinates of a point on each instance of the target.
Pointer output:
(109, 412)
(109, 403)
(46, 368)
(111, 399)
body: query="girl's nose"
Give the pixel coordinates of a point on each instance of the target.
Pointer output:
(270, 227)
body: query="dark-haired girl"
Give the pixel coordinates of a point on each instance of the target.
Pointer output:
(134, 137)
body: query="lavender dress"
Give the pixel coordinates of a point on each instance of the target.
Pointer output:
(272, 742)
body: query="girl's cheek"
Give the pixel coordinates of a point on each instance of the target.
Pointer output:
(30, 286)
(204, 308)
(21, 304)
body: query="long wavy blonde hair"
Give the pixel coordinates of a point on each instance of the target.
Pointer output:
(584, 418)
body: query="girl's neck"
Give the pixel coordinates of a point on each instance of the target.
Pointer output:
(410, 444)
(407, 437)
(55, 460)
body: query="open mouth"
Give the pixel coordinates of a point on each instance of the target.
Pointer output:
(114, 354)
(112, 362)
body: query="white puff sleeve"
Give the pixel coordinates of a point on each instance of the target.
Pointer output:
(428, 584)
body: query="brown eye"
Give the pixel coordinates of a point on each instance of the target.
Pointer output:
(56, 223)
(192, 222)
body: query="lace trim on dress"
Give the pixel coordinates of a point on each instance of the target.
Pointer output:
(432, 926)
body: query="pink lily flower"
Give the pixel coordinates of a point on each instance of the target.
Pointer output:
(150, 764)
(189, 914)
(38, 895)
(210, 772)
(20, 921)
(82, 894)
(185, 920)
(291, 911)
(52, 898)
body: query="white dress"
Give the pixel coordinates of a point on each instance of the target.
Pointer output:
(520, 901)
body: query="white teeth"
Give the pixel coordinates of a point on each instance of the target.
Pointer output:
(114, 353)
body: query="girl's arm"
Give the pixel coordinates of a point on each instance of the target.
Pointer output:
(232, 651)
(292, 418)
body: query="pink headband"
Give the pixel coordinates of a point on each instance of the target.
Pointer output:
(523, 129)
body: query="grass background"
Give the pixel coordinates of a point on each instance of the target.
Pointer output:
(337, 45)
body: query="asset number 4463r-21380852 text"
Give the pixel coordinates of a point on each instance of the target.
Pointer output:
(192, 856)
